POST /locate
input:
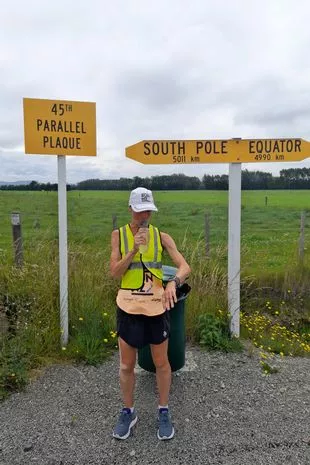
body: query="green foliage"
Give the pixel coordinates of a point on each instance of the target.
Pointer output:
(269, 243)
(292, 178)
(267, 333)
(92, 305)
(13, 366)
(268, 369)
(30, 296)
(87, 348)
(269, 233)
(214, 334)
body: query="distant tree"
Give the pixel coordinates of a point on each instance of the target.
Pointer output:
(296, 178)
(34, 186)
(255, 180)
(215, 182)
(292, 178)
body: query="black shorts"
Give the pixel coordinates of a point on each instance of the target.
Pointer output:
(140, 330)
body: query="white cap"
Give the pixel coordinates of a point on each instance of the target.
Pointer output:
(141, 200)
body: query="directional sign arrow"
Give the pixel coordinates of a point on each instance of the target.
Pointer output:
(158, 152)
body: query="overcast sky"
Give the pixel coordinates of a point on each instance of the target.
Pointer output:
(164, 69)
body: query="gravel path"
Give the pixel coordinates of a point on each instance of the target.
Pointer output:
(224, 411)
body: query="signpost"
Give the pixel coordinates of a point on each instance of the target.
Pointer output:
(218, 151)
(234, 152)
(60, 127)
(234, 229)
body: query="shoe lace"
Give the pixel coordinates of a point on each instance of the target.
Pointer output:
(164, 417)
(124, 417)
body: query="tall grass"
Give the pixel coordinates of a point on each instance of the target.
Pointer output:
(30, 297)
(208, 281)
(92, 295)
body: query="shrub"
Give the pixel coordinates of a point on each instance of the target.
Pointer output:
(214, 334)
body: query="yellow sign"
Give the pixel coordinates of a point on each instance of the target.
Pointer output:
(218, 151)
(60, 127)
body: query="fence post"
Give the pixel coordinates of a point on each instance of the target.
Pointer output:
(301, 250)
(207, 234)
(17, 239)
(114, 222)
(266, 201)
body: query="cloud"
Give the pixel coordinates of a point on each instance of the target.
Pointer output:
(159, 70)
(153, 90)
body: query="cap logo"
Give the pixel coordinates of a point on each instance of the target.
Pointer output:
(145, 197)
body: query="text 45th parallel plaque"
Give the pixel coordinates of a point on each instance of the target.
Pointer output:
(60, 127)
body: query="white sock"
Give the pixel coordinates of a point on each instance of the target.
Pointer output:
(163, 406)
(130, 408)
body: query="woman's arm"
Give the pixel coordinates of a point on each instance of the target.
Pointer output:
(183, 270)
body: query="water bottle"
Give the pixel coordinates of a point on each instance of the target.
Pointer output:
(144, 228)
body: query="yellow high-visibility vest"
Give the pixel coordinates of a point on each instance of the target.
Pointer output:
(151, 259)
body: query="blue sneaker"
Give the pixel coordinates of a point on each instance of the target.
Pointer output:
(166, 429)
(125, 422)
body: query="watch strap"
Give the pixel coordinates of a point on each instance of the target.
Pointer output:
(177, 281)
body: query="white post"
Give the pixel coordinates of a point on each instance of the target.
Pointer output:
(63, 250)
(234, 216)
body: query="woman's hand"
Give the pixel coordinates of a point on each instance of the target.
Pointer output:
(169, 297)
(140, 238)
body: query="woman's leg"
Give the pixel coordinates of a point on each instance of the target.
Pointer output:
(128, 357)
(163, 370)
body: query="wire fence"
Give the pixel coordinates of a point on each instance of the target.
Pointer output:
(265, 238)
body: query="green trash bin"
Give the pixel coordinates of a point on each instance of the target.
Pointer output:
(176, 344)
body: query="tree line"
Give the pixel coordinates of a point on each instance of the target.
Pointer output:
(293, 178)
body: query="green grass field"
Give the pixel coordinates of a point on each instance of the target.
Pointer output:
(270, 233)
(275, 297)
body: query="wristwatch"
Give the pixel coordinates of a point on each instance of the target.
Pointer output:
(177, 281)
